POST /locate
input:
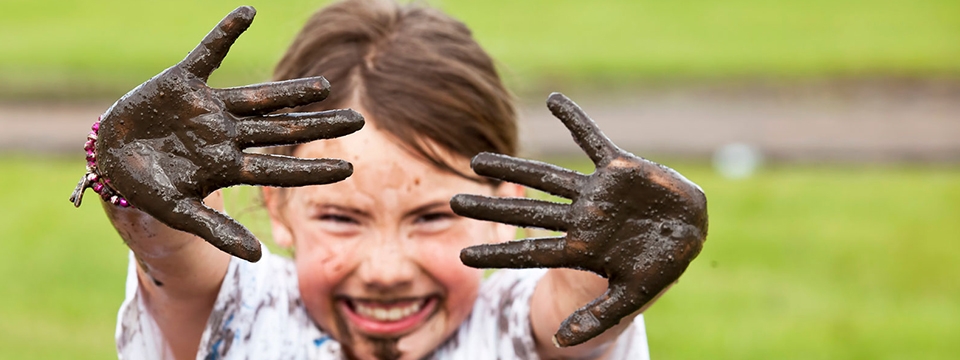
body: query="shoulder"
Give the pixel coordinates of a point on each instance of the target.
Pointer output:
(632, 343)
(259, 312)
(498, 326)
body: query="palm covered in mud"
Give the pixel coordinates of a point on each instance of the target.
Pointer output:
(173, 140)
(635, 222)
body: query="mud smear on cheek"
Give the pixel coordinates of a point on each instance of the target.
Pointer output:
(383, 348)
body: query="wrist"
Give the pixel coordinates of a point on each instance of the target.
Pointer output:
(93, 179)
(582, 285)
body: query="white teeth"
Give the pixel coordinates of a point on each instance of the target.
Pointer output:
(393, 314)
(390, 313)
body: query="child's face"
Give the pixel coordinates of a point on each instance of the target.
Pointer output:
(377, 254)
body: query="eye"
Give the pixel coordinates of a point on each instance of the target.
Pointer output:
(433, 217)
(337, 218)
(338, 224)
(434, 222)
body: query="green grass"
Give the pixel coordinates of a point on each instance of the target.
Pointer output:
(62, 268)
(820, 263)
(801, 263)
(85, 47)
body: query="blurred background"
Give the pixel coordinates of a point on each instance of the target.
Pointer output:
(826, 135)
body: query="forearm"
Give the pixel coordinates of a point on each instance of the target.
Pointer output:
(559, 294)
(178, 263)
(179, 274)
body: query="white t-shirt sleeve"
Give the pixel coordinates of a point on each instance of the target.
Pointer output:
(137, 335)
(258, 314)
(499, 325)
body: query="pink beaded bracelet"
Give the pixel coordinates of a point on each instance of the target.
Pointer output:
(92, 178)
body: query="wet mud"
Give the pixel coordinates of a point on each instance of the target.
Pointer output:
(384, 348)
(173, 140)
(633, 221)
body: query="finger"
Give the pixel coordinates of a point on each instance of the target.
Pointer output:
(529, 253)
(295, 128)
(599, 315)
(207, 56)
(288, 171)
(265, 98)
(220, 230)
(538, 175)
(515, 211)
(585, 132)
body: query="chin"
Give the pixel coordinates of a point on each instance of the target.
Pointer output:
(396, 329)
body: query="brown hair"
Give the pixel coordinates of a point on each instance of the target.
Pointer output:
(416, 71)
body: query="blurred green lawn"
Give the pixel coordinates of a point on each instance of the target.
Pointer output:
(105, 47)
(801, 263)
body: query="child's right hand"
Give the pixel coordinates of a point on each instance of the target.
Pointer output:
(173, 140)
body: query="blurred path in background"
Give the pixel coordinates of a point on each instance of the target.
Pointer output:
(865, 121)
(862, 121)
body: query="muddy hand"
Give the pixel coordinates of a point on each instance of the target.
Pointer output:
(635, 222)
(173, 140)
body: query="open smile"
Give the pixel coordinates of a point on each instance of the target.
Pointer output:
(388, 318)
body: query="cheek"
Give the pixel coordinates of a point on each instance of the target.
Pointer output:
(460, 282)
(321, 263)
(441, 259)
(320, 270)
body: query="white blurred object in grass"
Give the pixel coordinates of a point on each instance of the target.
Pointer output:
(737, 160)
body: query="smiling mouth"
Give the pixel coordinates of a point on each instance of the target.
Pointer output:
(388, 318)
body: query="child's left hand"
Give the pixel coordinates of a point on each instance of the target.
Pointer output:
(633, 221)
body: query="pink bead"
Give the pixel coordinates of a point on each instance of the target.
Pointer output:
(97, 187)
(124, 203)
(91, 163)
(96, 126)
(92, 177)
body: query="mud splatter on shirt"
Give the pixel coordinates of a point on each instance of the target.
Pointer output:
(259, 315)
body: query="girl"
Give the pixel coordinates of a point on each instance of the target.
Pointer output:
(377, 269)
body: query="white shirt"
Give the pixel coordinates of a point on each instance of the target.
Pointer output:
(258, 314)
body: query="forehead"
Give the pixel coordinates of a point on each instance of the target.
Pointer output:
(381, 164)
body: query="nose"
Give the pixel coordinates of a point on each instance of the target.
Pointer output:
(387, 267)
